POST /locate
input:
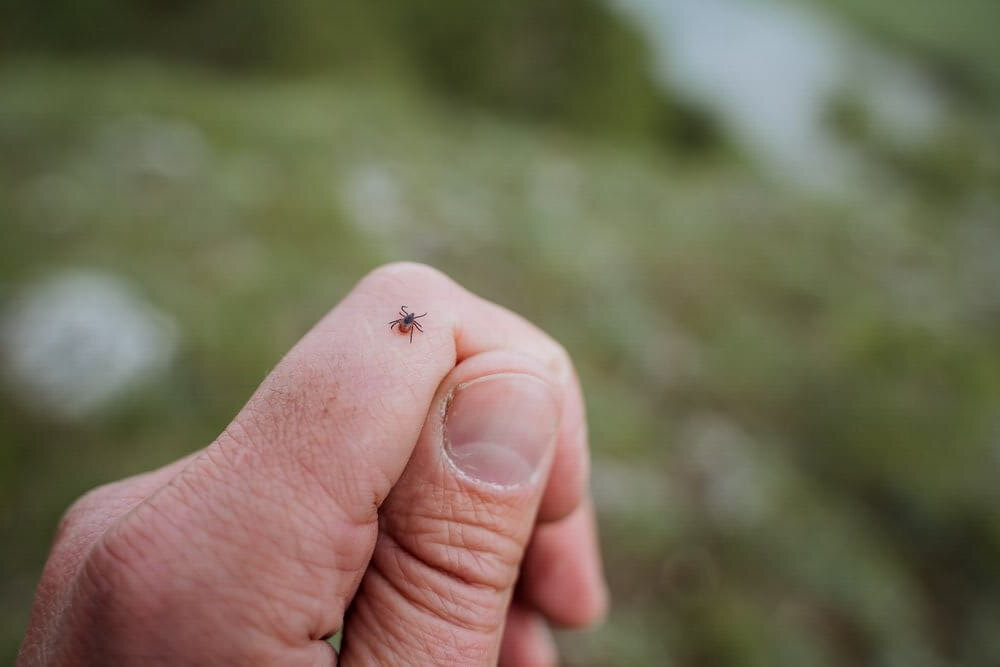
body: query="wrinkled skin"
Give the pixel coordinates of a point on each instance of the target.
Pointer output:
(327, 504)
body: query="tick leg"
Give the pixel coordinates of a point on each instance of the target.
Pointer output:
(418, 316)
(417, 325)
(393, 323)
(411, 335)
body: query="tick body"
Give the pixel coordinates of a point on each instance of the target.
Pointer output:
(407, 322)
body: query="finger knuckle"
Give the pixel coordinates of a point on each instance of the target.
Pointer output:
(408, 274)
(474, 538)
(458, 567)
(83, 508)
(445, 585)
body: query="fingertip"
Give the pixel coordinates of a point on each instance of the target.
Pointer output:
(408, 277)
(406, 269)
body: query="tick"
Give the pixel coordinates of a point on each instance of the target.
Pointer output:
(408, 322)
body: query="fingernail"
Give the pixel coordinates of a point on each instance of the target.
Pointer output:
(499, 428)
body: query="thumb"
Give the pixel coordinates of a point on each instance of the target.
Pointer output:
(453, 530)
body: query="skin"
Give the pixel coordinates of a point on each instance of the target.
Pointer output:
(325, 499)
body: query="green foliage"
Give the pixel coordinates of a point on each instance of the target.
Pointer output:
(958, 41)
(572, 64)
(792, 402)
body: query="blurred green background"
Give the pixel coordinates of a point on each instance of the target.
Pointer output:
(768, 232)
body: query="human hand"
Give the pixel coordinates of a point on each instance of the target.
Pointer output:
(406, 486)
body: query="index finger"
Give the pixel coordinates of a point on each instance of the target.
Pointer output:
(340, 415)
(355, 382)
(473, 326)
